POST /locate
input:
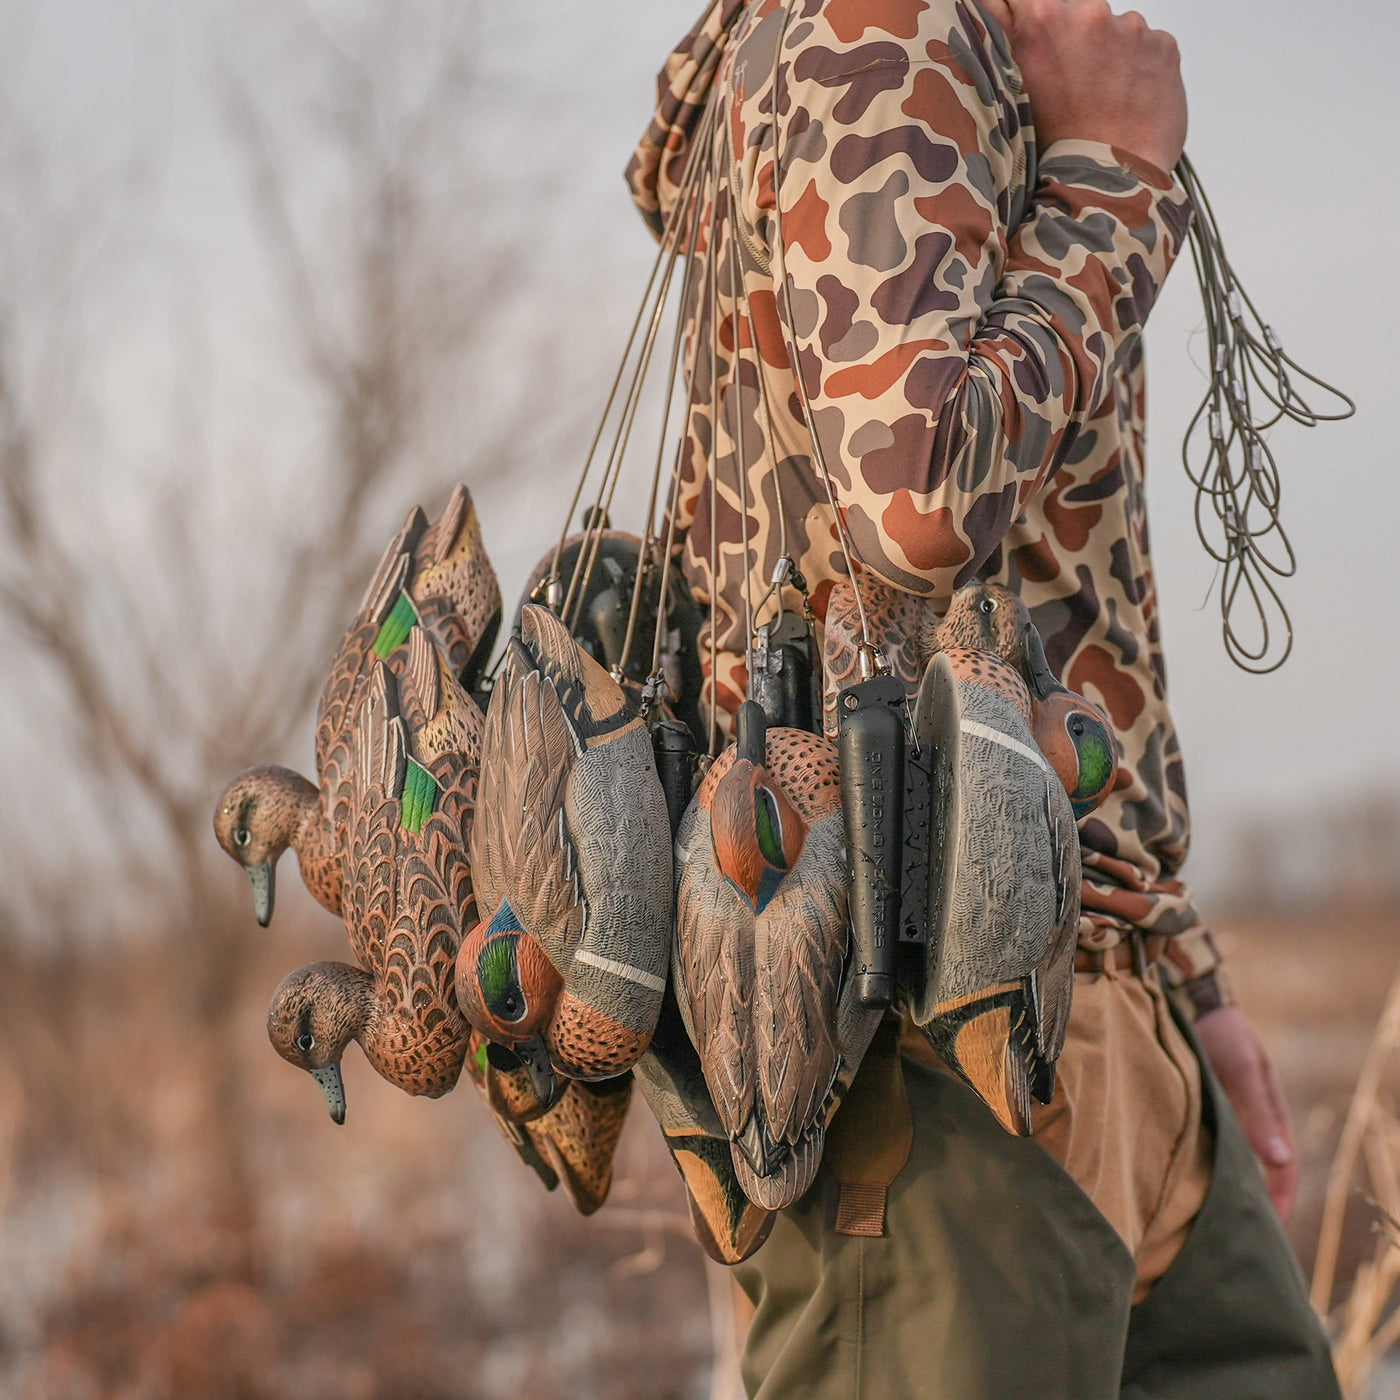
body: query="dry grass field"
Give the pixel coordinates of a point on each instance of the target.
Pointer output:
(181, 1218)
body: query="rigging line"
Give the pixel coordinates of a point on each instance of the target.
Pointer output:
(634, 611)
(869, 653)
(586, 559)
(1237, 478)
(607, 407)
(741, 471)
(667, 246)
(772, 436)
(589, 548)
(682, 444)
(712, 466)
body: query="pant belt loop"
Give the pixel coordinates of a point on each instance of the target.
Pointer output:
(1137, 942)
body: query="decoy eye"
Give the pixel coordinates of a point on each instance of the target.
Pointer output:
(987, 605)
(242, 836)
(1076, 727)
(305, 1042)
(510, 1006)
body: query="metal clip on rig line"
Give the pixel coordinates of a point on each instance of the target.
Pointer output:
(1254, 384)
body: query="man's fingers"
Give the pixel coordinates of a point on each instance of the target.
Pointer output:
(1281, 1170)
(1248, 1078)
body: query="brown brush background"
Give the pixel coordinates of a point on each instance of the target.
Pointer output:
(270, 273)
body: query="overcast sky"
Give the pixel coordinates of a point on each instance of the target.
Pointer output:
(1293, 114)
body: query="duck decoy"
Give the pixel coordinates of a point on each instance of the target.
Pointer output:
(436, 576)
(1003, 886)
(572, 861)
(761, 951)
(1073, 733)
(573, 1142)
(408, 891)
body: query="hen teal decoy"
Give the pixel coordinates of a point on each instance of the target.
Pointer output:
(571, 855)
(435, 575)
(574, 1142)
(761, 951)
(408, 891)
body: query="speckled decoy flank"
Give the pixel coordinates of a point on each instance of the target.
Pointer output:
(437, 575)
(899, 626)
(408, 891)
(761, 951)
(995, 996)
(572, 861)
(573, 1142)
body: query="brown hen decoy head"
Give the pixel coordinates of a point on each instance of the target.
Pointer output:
(985, 617)
(262, 812)
(315, 1013)
(757, 834)
(508, 988)
(1072, 732)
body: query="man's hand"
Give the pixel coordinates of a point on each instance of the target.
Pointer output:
(1092, 75)
(1242, 1065)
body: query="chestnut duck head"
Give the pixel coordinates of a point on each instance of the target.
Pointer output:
(1073, 733)
(757, 834)
(508, 988)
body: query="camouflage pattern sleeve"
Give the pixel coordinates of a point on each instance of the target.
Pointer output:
(966, 311)
(957, 323)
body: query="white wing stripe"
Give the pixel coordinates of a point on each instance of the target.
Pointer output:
(618, 969)
(984, 731)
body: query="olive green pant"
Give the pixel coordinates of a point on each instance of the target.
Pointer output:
(998, 1279)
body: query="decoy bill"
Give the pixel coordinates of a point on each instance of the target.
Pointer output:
(572, 1142)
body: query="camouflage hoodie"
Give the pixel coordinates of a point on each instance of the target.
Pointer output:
(967, 311)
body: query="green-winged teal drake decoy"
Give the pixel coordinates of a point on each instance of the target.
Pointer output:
(572, 1142)
(571, 856)
(761, 951)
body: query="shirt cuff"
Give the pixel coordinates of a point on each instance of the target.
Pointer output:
(1069, 159)
(1193, 966)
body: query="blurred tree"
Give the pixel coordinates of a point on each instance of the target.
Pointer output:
(369, 203)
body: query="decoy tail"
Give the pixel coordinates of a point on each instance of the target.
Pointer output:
(392, 570)
(789, 1176)
(986, 1042)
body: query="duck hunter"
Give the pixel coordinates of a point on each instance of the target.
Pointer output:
(958, 216)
